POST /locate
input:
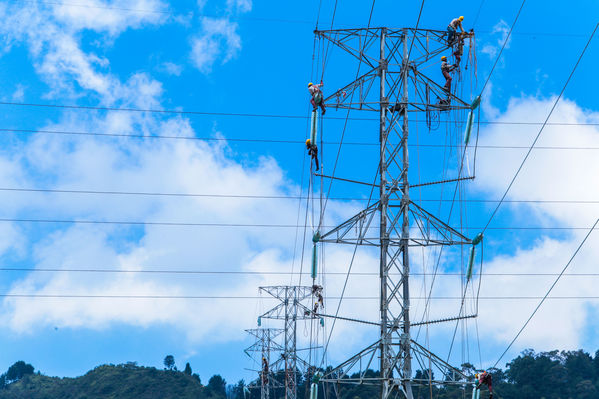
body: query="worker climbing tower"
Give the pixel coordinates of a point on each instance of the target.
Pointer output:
(402, 70)
(267, 348)
(290, 309)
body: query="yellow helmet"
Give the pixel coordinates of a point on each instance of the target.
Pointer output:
(310, 84)
(476, 375)
(308, 142)
(461, 17)
(444, 58)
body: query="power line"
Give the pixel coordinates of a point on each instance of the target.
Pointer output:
(232, 114)
(255, 196)
(257, 19)
(507, 38)
(133, 296)
(268, 273)
(265, 225)
(279, 141)
(548, 292)
(543, 126)
(166, 12)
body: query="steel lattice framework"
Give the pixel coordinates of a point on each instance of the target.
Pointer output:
(394, 86)
(290, 309)
(265, 345)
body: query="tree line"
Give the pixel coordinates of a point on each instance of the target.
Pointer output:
(544, 375)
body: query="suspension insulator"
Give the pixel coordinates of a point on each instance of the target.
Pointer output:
(470, 122)
(314, 261)
(314, 391)
(475, 103)
(316, 237)
(470, 262)
(469, 127)
(314, 125)
(476, 240)
(322, 321)
(259, 321)
(316, 377)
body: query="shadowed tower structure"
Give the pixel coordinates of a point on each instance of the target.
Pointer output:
(290, 309)
(396, 86)
(266, 347)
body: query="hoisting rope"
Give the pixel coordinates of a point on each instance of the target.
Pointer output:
(344, 125)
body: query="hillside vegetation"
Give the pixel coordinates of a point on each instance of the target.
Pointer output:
(108, 382)
(545, 375)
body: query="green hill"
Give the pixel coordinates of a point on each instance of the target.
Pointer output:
(108, 382)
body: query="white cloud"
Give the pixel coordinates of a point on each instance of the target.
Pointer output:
(547, 175)
(240, 5)
(112, 17)
(171, 68)
(19, 93)
(501, 31)
(164, 166)
(52, 35)
(218, 40)
(491, 112)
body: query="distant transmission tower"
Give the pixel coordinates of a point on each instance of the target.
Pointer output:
(265, 345)
(403, 87)
(290, 309)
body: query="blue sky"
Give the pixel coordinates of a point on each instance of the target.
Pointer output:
(244, 56)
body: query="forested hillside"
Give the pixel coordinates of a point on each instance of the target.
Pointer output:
(546, 375)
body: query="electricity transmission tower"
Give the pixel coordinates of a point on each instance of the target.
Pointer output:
(290, 309)
(265, 345)
(395, 85)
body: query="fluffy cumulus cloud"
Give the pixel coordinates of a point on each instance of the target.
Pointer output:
(112, 17)
(52, 36)
(219, 40)
(549, 174)
(173, 166)
(52, 32)
(500, 34)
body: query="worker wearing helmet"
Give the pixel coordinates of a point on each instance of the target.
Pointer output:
(446, 69)
(264, 370)
(485, 378)
(452, 29)
(313, 152)
(317, 292)
(316, 96)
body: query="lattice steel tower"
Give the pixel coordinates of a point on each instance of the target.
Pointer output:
(402, 88)
(265, 345)
(290, 310)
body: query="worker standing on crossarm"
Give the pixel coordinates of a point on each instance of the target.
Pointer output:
(313, 152)
(452, 28)
(316, 96)
(485, 378)
(446, 69)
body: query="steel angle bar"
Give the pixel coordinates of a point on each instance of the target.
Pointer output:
(362, 221)
(346, 90)
(339, 374)
(449, 372)
(341, 37)
(425, 79)
(435, 222)
(420, 323)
